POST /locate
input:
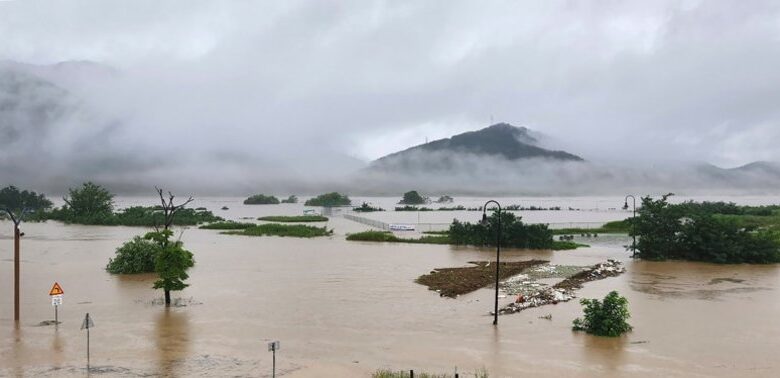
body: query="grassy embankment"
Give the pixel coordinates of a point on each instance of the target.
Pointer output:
(294, 219)
(436, 237)
(268, 229)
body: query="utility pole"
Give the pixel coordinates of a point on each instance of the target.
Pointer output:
(17, 239)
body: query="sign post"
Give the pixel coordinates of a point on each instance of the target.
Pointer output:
(87, 323)
(56, 300)
(273, 347)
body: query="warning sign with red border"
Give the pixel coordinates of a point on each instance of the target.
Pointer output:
(56, 290)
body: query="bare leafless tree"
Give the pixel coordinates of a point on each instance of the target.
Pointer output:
(169, 208)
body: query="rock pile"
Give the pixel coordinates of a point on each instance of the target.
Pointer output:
(565, 290)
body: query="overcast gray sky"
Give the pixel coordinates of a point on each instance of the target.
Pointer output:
(652, 80)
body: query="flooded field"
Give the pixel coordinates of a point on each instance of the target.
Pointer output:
(348, 308)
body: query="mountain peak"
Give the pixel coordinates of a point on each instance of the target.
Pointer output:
(498, 140)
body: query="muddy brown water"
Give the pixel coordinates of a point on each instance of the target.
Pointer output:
(348, 308)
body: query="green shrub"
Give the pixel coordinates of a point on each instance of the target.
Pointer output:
(261, 199)
(135, 256)
(607, 318)
(329, 200)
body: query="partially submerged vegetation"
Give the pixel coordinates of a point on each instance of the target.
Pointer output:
(291, 199)
(443, 237)
(366, 208)
(229, 225)
(276, 229)
(329, 200)
(13, 199)
(709, 231)
(445, 199)
(92, 204)
(386, 236)
(261, 199)
(132, 216)
(413, 198)
(423, 208)
(294, 219)
(604, 318)
(451, 282)
(413, 208)
(514, 233)
(134, 257)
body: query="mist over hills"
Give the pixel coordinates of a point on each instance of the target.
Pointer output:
(503, 159)
(66, 123)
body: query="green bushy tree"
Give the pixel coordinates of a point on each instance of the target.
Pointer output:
(413, 198)
(90, 201)
(13, 199)
(171, 263)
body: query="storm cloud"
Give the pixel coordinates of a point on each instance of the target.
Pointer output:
(300, 94)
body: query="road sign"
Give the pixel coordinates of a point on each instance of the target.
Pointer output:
(56, 290)
(273, 346)
(87, 323)
(56, 300)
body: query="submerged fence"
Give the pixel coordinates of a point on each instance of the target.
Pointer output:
(370, 222)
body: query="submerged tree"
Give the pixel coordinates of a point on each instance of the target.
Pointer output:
(13, 199)
(172, 260)
(604, 318)
(90, 200)
(171, 263)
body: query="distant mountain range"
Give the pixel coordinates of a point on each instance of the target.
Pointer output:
(505, 159)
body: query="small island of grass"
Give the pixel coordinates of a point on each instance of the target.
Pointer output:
(294, 219)
(261, 199)
(329, 200)
(230, 225)
(276, 229)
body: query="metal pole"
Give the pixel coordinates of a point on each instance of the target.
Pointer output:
(498, 254)
(498, 263)
(87, 346)
(56, 321)
(273, 372)
(17, 237)
(633, 224)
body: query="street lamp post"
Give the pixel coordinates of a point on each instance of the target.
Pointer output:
(633, 223)
(17, 237)
(498, 252)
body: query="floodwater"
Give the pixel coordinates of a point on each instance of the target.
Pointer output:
(345, 309)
